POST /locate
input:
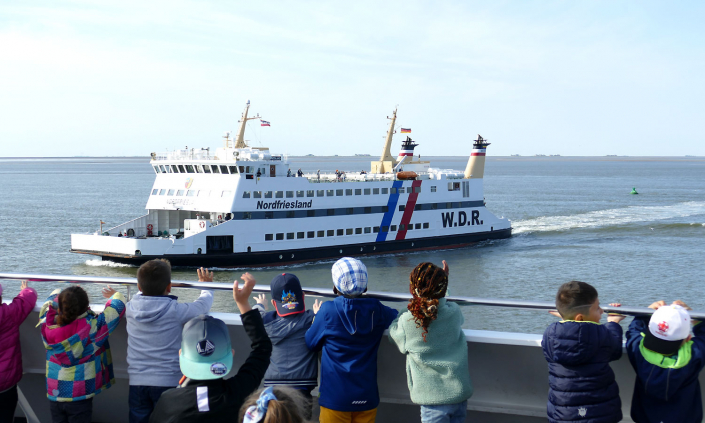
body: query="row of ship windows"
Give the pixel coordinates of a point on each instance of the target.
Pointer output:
(190, 193)
(332, 192)
(204, 169)
(348, 210)
(341, 232)
(300, 194)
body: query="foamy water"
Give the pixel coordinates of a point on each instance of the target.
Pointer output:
(611, 217)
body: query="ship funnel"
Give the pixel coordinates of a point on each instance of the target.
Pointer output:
(476, 163)
(407, 149)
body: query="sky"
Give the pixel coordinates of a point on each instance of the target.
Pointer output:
(575, 78)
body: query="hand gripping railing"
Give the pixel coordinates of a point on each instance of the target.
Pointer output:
(325, 292)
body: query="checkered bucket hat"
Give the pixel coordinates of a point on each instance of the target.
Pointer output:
(349, 276)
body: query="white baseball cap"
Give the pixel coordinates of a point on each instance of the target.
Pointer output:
(668, 327)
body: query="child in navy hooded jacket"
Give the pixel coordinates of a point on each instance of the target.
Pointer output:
(667, 364)
(582, 387)
(348, 330)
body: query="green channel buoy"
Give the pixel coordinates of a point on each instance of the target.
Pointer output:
(634, 191)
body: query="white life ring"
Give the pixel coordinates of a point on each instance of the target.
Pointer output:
(202, 224)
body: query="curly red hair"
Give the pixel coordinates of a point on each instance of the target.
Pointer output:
(427, 284)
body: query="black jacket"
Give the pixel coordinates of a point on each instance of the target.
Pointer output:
(582, 387)
(224, 396)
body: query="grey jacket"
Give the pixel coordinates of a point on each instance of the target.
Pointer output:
(154, 327)
(292, 363)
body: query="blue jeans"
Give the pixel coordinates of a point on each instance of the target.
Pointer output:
(450, 413)
(142, 401)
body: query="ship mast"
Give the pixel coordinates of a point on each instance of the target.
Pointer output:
(386, 161)
(240, 140)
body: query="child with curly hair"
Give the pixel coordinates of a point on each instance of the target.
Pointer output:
(430, 334)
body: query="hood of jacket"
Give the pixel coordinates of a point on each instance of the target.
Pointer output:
(360, 316)
(281, 329)
(149, 309)
(660, 373)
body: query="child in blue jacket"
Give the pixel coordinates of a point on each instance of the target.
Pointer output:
(348, 331)
(578, 350)
(667, 364)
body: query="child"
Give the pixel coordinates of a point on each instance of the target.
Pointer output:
(430, 334)
(578, 350)
(667, 364)
(206, 358)
(154, 323)
(79, 363)
(348, 331)
(275, 404)
(11, 317)
(292, 363)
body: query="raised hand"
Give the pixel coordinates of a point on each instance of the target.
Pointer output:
(657, 304)
(445, 268)
(241, 295)
(261, 299)
(615, 317)
(555, 313)
(317, 306)
(108, 292)
(682, 304)
(23, 285)
(204, 275)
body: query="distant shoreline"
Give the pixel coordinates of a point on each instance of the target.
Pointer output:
(363, 158)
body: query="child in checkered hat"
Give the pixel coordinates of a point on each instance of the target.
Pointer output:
(348, 331)
(667, 361)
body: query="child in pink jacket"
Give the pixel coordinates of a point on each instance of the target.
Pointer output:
(79, 363)
(11, 317)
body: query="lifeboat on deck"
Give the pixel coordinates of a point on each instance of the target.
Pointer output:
(406, 176)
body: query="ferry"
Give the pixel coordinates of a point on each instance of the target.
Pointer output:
(244, 206)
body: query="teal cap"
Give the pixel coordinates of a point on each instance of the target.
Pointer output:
(205, 349)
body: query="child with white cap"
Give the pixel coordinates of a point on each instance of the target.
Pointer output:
(348, 331)
(667, 361)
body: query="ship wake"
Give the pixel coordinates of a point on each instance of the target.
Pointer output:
(609, 217)
(106, 263)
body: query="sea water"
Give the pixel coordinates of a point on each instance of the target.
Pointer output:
(573, 218)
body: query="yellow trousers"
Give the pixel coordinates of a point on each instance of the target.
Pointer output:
(333, 416)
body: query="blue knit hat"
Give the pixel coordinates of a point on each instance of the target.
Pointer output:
(349, 276)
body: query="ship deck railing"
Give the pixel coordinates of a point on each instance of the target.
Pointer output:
(508, 369)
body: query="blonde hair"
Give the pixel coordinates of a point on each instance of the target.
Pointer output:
(289, 407)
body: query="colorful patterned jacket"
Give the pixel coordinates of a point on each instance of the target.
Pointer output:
(79, 364)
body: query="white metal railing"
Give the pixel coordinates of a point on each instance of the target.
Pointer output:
(324, 292)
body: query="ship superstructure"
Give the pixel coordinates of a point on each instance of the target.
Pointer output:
(242, 205)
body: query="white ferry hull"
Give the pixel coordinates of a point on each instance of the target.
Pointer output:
(279, 257)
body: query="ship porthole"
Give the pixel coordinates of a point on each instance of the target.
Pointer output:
(412, 244)
(374, 248)
(280, 257)
(292, 256)
(249, 249)
(341, 251)
(198, 251)
(138, 252)
(360, 248)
